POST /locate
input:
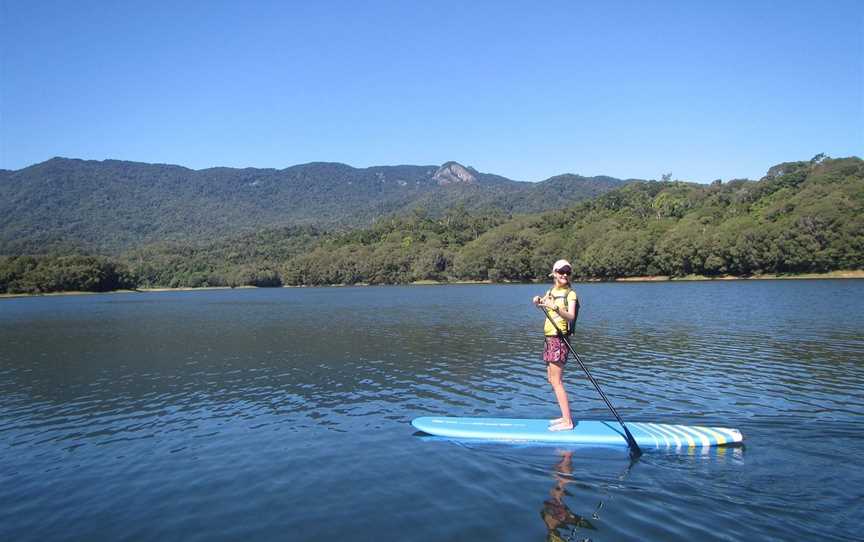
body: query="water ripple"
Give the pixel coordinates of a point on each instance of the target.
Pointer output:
(225, 415)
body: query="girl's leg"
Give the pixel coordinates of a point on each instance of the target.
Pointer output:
(556, 421)
(556, 375)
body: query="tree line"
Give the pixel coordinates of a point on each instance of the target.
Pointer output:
(801, 217)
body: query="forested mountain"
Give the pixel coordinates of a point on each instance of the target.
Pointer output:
(801, 217)
(113, 206)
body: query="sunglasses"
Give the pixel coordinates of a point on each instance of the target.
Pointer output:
(564, 271)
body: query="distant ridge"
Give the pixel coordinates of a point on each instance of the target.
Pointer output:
(114, 205)
(802, 217)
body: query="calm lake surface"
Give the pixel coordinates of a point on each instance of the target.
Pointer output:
(283, 414)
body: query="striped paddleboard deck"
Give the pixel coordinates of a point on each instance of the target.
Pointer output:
(647, 435)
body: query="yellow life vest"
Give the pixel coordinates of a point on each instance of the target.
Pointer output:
(563, 297)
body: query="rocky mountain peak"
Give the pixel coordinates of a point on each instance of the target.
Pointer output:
(454, 173)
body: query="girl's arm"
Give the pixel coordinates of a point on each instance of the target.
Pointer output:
(569, 314)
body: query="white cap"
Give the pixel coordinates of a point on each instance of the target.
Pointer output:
(559, 264)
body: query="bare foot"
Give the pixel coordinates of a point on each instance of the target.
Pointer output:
(556, 421)
(561, 426)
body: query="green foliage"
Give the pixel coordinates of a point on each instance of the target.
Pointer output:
(801, 217)
(252, 259)
(113, 206)
(43, 274)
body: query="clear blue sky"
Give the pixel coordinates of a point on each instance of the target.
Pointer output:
(699, 88)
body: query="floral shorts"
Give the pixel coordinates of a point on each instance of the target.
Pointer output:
(555, 351)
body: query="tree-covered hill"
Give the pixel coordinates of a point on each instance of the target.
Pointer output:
(113, 206)
(801, 217)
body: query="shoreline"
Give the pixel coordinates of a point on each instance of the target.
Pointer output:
(830, 275)
(846, 274)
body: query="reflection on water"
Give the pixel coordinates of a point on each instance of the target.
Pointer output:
(557, 516)
(248, 414)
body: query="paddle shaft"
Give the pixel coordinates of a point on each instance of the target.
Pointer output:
(630, 440)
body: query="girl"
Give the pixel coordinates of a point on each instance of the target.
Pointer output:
(560, 304)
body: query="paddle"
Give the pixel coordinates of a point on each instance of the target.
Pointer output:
(634, 448)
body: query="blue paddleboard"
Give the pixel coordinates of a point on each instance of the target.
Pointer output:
(647, 435)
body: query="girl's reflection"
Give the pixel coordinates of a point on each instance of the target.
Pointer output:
(555, 513)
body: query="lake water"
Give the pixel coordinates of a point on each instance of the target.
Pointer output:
(283, 414)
